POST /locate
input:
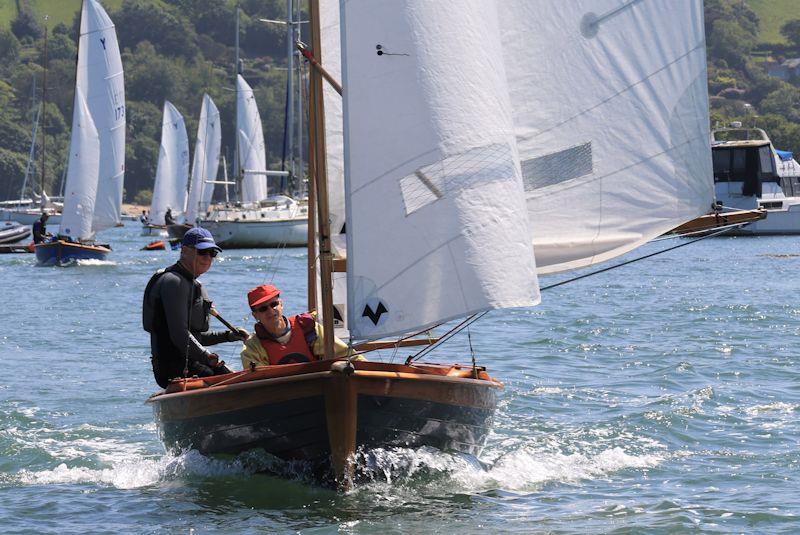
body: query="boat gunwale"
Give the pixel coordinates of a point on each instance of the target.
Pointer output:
(301, 377)
(63, 243)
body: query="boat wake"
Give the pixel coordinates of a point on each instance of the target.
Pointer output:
(525, 469)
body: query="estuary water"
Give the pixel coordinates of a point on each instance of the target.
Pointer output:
(662, 397)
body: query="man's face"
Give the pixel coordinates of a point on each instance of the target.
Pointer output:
(270, 315)
(197, 261)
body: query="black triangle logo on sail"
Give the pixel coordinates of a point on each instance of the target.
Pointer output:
(375, 315)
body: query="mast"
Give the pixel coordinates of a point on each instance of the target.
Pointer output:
(290, 88)
(44, 104)
(236, 170)
(317, 128)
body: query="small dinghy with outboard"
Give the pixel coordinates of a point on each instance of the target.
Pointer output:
(12, 232)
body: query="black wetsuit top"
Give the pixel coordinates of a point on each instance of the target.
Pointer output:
(39, 231)
(174, 299)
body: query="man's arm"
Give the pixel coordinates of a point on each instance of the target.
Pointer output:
(253, 352)
(340, 349)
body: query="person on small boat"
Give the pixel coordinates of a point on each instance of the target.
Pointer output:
(143, 218)
(40, 228)
(168, 219)
(281, 340)
(176, 314)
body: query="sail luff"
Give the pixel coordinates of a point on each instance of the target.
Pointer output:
(82, 174)
(317, 115)
(100, 77)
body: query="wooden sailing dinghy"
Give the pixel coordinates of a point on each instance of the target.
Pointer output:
(93, 189)
(454, 199)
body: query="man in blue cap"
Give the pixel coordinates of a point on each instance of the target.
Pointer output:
(176, 314)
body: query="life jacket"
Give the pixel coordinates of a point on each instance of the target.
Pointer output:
(298, 348)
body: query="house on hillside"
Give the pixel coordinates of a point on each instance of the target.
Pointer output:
(787, 69)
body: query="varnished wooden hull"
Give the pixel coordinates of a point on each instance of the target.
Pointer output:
(320, 413)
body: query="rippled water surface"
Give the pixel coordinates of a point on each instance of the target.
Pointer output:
(662, 396)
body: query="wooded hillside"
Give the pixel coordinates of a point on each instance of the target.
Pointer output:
(177, 50)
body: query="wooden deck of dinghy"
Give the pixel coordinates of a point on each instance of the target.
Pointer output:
(324, 411)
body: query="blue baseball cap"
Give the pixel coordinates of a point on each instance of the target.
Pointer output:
(199, 238)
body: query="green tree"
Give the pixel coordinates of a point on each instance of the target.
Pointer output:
(151, 77)
(146, 20)
(25, 25)
(785, 101)
(791, 31)
(9, 47)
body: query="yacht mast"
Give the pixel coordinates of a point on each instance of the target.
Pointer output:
(44, 104)
(317, 130)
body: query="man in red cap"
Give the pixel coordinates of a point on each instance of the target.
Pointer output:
(281, 340)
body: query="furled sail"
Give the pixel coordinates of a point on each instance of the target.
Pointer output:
(100, 78)
(611, 118)
(252, 151)
(436, 219)
(82, 174)
(206, 160)
(172, 171)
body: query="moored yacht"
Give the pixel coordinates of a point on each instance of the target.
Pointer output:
(276, 221)
(749, 174)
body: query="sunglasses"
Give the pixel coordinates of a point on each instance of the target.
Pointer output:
(264, 308)
(208, 252)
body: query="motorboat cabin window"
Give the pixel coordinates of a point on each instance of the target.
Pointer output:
(749, 165)
(768, 170)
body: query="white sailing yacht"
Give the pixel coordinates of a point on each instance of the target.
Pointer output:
(258, 220)
(549, 142)
(172, 172)
(93, 190)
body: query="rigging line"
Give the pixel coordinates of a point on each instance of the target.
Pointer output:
(475, 317)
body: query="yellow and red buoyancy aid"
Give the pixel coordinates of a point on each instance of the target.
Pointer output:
(298, 348)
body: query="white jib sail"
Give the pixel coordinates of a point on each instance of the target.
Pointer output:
(172, 171)
(252, 153)
(436, 220)
(611, 114)
(82, 174)
(100, 78)
(206, 160)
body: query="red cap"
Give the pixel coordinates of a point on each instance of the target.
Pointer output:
(262, 294)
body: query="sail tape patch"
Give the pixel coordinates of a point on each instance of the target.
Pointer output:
(450, 175)
(557, 167)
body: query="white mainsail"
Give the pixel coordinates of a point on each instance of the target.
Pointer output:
(100, 78)
(436, 220)
(206, 160)
(252, 151)
(611, 118)
(82, 174)
(172, 171)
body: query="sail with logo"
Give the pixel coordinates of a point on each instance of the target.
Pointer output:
(447, 161)
(93, 190)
